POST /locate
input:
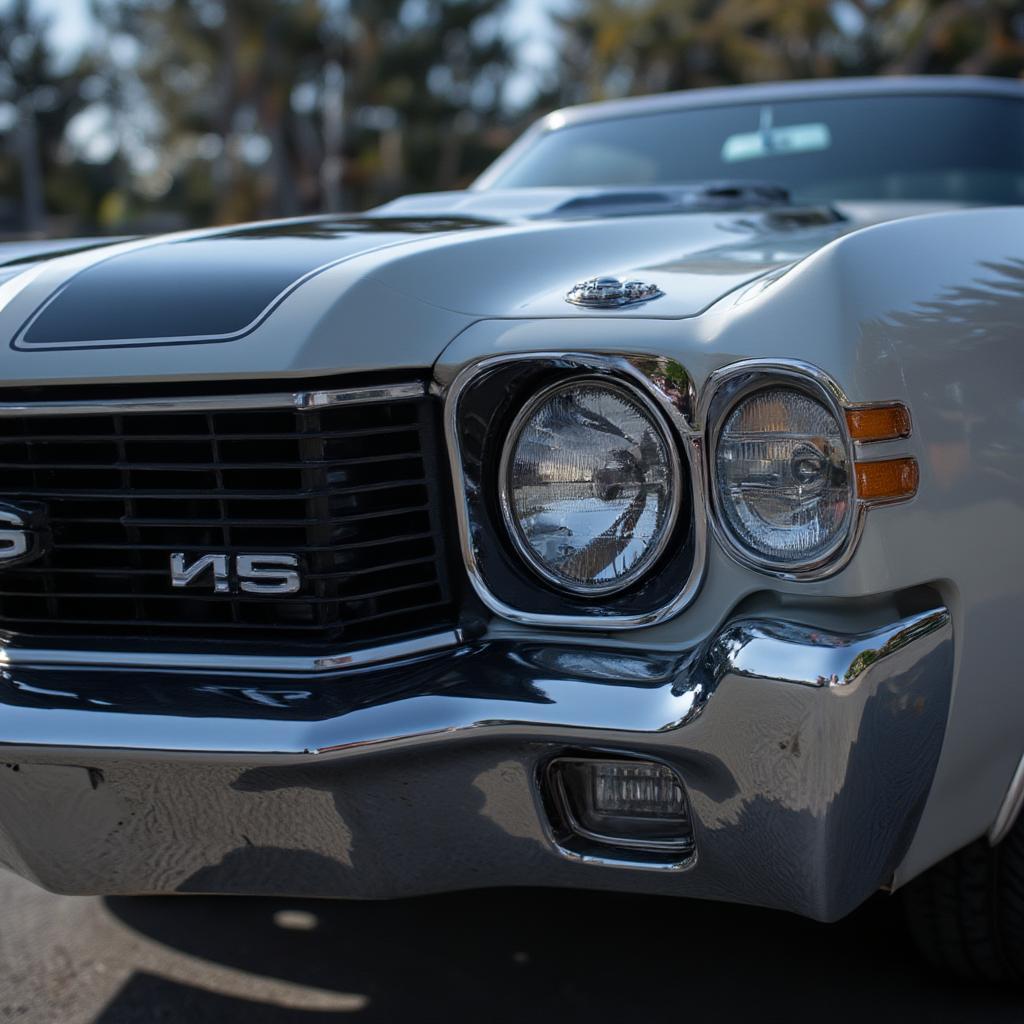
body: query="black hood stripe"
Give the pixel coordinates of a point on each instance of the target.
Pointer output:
(211, 289)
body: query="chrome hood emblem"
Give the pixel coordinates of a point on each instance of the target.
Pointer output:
(611, 293)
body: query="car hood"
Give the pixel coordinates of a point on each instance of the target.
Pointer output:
(382, 290)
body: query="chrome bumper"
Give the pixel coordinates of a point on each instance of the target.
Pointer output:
(807, 756)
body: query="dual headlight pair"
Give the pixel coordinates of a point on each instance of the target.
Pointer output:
(591, 483)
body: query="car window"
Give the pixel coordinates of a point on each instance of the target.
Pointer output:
(958, 148)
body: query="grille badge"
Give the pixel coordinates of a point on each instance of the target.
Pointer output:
(24, 533)
(252, 574)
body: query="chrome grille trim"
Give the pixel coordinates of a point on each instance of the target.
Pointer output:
(23, 648)
(298, 400)
(15, 657)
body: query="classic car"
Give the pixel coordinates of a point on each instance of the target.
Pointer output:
(645, 517)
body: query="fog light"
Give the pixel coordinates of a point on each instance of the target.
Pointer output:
(636, 805)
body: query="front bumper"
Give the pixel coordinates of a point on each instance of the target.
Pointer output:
(807, 756)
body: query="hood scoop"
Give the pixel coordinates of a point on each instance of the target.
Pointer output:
(704, 197)
(519, 205)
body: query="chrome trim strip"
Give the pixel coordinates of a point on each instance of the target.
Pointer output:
(1010, 808)
(773, 649)
(598, 713)
(677, 402)
(635, 865)
(300, 400)
(248, 664)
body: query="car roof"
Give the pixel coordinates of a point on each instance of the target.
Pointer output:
(774, 92)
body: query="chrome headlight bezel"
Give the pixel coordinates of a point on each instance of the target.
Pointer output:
(725, 391)
(513, 524)
(496, 571)
(487, 395)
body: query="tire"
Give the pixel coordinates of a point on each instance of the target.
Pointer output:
(966, 914)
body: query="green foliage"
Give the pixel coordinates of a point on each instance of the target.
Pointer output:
(276, 107)
(620, 47)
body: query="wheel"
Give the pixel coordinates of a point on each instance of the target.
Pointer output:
(967, 913)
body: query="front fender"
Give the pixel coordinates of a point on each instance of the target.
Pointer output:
(928, 311)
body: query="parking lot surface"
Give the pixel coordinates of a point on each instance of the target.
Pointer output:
(530, 956)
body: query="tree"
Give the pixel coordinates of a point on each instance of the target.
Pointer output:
(42, 100)
(435, 73)
(620, 47)
(199, 111)
(270, 107)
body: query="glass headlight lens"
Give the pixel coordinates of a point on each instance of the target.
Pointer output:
(590, 484)
(784, 483)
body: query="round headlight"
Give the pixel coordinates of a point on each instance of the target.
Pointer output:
(784, 483)
(589, 485)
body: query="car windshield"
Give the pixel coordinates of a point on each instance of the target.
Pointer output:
(955, 148)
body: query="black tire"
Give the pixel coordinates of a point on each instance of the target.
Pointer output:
(967, 913)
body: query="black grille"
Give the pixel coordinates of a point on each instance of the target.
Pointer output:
(351, 491)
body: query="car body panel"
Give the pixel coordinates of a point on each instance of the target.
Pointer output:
(914, 303)
(440, 268)
(890, 325)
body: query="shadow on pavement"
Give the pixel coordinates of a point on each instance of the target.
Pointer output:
(535, 956)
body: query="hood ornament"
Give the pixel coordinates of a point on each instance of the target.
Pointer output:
(611, 293)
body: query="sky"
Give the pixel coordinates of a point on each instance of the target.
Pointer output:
(527, 24)
(70, 22)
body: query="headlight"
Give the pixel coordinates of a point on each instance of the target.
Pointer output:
(783, 479)
(590, 485)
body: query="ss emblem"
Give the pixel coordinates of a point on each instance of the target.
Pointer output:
(255, 574)
(24, 533)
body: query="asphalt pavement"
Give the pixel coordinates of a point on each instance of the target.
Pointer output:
(529, 956)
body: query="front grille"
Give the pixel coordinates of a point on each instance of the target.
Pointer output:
(352, 491)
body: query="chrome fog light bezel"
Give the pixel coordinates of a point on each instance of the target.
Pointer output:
(575, 841)
(513, 525)
(725, 390)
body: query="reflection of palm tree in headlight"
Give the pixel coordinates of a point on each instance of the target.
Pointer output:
(623, 475)
(620, 481)
(589, 561)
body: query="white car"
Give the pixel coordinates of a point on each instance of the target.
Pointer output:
(646, 517)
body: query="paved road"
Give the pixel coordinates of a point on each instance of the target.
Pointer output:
(526, 956)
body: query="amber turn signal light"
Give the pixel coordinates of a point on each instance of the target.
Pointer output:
(887, 480)
(878, 422)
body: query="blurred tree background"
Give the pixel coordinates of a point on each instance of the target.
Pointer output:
(173, 113)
